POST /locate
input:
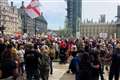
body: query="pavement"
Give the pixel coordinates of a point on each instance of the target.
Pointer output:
(67, 76)
(59, 72)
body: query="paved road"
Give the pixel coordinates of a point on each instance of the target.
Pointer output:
(67, 77)
(59, 73)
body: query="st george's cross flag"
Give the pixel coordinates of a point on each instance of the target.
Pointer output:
(33, 9)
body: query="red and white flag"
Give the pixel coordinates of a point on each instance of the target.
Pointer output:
(33, 9)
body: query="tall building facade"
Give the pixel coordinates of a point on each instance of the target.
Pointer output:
(3, 2)
(95, 29)
(32, 26)
(74, 15)
(101, 28)
(9, 18)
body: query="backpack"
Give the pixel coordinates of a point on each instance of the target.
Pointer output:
(44, 61)
(31, 59)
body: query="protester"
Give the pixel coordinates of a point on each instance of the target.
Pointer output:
(31, 59)
(89, 56)
(108, 57)
(84, 67)
(21, 53)
(57, 51)
(52, 57)
(8, 64)
(115, 66)
(62, 52)
(95, 65)
(44, 62)
(72, 67)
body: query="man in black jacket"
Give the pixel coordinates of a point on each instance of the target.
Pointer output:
(115, 66)
(31, 63)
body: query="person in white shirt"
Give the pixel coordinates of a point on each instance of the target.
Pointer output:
(21, 53)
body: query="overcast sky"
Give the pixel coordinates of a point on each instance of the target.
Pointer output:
(54, 10)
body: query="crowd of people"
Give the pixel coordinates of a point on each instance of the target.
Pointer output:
(33, 57)
(92, 56)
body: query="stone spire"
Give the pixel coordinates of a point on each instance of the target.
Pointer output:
(22, 6)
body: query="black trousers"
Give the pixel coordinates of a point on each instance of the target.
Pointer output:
(83, 75)
(62, 55)
(114, 73)
(101, 71)
(44, 74)
(33, 74)
(51, 65)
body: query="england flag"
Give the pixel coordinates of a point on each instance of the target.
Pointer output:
(33, 9)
